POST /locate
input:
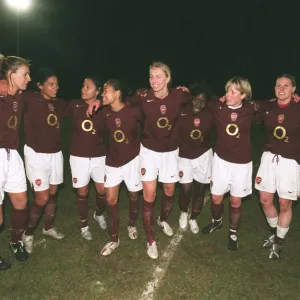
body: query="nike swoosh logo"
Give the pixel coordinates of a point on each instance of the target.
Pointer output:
(184, 115)
(78, 105)
(290, 192)
(150, 100)
(172, 176)
(107, 115)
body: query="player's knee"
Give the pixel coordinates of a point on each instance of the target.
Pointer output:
(217, 199)
(111, 200)
(285, 206)
(82, 192)
(53, 189)
(149, 195)
(169, 189)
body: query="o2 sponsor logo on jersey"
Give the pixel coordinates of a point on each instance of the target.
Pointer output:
(197, 122)
(233, 116)
(280, 118)
(163, 109)
(118, 122)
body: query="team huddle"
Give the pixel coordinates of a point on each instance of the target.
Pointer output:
(156, 135)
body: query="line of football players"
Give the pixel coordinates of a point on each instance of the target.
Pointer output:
(160, 134)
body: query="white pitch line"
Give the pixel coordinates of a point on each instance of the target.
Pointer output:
(162, 267)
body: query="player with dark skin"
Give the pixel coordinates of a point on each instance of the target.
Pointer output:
(195, 155)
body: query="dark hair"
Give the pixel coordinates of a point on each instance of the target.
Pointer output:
(43, 74)
(290, 77)
(201, 88)
(119, 85)
(12, 63)
(97, 83)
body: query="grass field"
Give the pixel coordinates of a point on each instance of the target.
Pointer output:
(201, 268)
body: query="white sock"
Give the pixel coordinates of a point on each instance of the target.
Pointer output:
(272, 222)
(281, 232)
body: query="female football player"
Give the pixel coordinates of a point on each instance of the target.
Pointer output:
(195, 155)
(16, 72)
(88, 151)
(43, 155)
(232, 163)
(122, 123)
(279, 168)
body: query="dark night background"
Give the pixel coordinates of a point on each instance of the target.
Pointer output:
(214, 40)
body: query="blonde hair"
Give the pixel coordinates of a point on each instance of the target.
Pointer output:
(164, 67)
(12, 63)
(241, 84)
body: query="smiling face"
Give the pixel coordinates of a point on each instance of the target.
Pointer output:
(284, 89)
(158, 79)
(109, 95)
(198, 103)
(49, 88)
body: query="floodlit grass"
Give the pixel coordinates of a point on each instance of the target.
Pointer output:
(202, 267)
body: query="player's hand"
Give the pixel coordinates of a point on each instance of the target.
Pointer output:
(94, 106)
(223, 99)
(142, 92)
(3, 88)
(183, 88)
(296, 97)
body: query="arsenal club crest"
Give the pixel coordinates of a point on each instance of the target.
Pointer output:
(163, 109)
(143, 171)
(38, 182)
(197, 122)
(118, 122)
(258, 180)
(50, 107)
(15, 106)
(280, 118)
(233, 116)
(75, 180)
(180, 174)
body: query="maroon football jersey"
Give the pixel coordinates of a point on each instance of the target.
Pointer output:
(88, 134)
(233, 131)
(194, 132)
(161, 120)
(11, 108)
(283, 130)
(42, 123)
(123, 129)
